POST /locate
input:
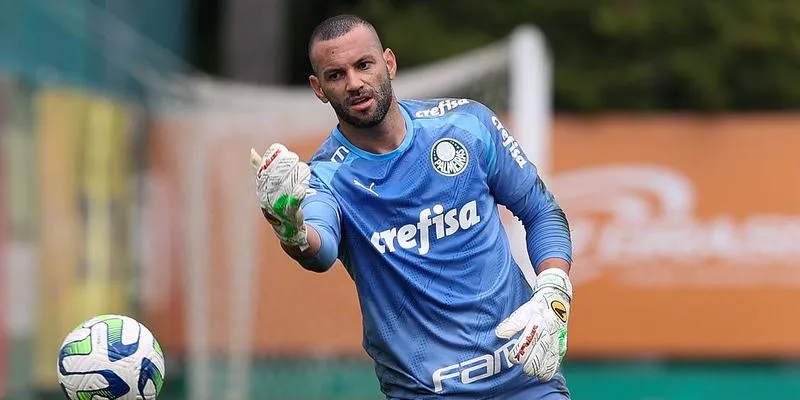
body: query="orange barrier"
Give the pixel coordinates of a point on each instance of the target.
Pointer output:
(687, 234)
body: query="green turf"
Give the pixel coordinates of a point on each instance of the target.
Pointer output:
(355, 380)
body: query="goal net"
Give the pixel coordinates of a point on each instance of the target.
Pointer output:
(254, 324)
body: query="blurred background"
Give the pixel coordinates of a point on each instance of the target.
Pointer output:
(669, 131)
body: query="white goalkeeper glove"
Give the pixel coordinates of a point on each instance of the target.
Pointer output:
(543, 322)
(281, 183)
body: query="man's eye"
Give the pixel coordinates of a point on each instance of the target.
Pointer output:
(363, 65)
(334, 76)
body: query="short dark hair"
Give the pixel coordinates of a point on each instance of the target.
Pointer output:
(337, 26)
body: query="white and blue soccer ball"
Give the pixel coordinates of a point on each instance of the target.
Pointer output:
(111, 357)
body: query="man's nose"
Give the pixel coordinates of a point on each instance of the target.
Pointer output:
(354, 82)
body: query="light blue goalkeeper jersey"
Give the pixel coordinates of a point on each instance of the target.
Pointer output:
(419, 232)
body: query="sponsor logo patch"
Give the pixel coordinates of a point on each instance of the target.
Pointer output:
(560, 310)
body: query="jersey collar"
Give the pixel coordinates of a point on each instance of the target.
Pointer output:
(372, 156)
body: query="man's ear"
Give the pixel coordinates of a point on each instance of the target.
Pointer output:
(314, 82)
(391, 62)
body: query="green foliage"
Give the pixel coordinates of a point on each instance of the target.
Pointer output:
(619, 54)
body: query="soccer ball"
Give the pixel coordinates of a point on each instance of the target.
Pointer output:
(111, 357)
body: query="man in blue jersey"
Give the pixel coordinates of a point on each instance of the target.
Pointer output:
(405, 193)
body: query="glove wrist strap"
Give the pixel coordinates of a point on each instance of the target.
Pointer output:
(554, 278)
(299, 239)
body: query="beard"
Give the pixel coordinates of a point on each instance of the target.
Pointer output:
(383, 99)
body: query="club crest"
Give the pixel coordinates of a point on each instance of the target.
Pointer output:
(449, 157)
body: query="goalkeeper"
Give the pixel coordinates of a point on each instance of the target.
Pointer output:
(405, 194)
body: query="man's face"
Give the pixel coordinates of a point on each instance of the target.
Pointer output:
(354, 75)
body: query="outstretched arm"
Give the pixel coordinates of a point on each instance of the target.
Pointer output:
(282, 182)
(314, 245)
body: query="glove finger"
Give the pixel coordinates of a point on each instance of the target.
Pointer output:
(293, 185)
(274, 202)
(273, 152)
(276, 164)
(281, 173)
(265, 160)
(515, 322)
(296, 185)
(270, 185)
(282, 161)
(299, 219)
(255, 160)
(299, 174)
(283, 230)
(299, 187)
(292, 205)
(285, 207)
(303, 173)
(545, 355)
(523, 348)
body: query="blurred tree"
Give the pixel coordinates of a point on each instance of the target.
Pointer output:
(609, 54)
(254, 31)
(206, 35)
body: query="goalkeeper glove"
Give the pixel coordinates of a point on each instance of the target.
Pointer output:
(281, 183)
(543, 322)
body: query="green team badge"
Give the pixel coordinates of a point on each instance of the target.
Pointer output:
(449, 157)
